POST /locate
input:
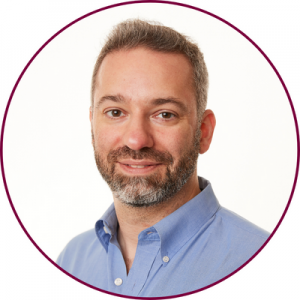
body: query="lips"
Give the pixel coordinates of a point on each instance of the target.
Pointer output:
(138, 163)
(138, 167)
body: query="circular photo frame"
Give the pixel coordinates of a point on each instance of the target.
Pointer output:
(51, 102)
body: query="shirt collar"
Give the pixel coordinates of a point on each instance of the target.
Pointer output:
(106, 227)
(175, 229)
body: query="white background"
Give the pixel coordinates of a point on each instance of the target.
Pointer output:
(26, 27)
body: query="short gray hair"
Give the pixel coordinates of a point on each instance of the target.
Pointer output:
(152, 35)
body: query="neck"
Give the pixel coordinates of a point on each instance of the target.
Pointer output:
(133, 220)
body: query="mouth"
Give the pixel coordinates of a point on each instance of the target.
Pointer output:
(136, 167)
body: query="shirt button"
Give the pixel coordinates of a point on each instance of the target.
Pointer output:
(166, 259)
(118, 281)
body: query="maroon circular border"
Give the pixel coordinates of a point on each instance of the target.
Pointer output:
(137, 2)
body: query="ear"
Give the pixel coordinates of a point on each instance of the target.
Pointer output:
(207, 130)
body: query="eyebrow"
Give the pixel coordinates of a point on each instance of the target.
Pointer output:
(155, 102)
(115, 98)
(162, 101)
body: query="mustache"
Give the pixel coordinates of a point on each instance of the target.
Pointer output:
(144, 153)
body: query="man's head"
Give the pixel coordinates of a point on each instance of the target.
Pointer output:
(145, 114)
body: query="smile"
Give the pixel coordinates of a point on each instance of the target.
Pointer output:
(138, 166)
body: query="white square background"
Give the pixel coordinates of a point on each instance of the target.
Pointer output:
(26, 26)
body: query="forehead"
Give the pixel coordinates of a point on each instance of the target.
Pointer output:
(143, 73)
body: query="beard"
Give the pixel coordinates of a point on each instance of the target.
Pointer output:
(143, 191)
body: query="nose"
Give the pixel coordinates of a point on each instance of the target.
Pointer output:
(138, 135)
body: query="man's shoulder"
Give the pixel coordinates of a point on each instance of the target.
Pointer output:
(86, 237)
(237, 230)
(220, 247)
(79, 246)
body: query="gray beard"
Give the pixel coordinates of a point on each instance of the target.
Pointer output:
(144, 191)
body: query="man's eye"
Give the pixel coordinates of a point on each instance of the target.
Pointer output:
(115, 113)
(166, 115)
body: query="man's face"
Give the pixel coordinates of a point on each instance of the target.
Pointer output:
(144, 124)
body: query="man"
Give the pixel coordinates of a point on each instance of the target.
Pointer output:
(166, 233)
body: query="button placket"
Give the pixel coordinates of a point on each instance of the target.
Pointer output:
(146, 252)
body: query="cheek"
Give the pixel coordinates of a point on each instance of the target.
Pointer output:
(174, 141)
(105, 138)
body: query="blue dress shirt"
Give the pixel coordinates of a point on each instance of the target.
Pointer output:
(196, 245)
